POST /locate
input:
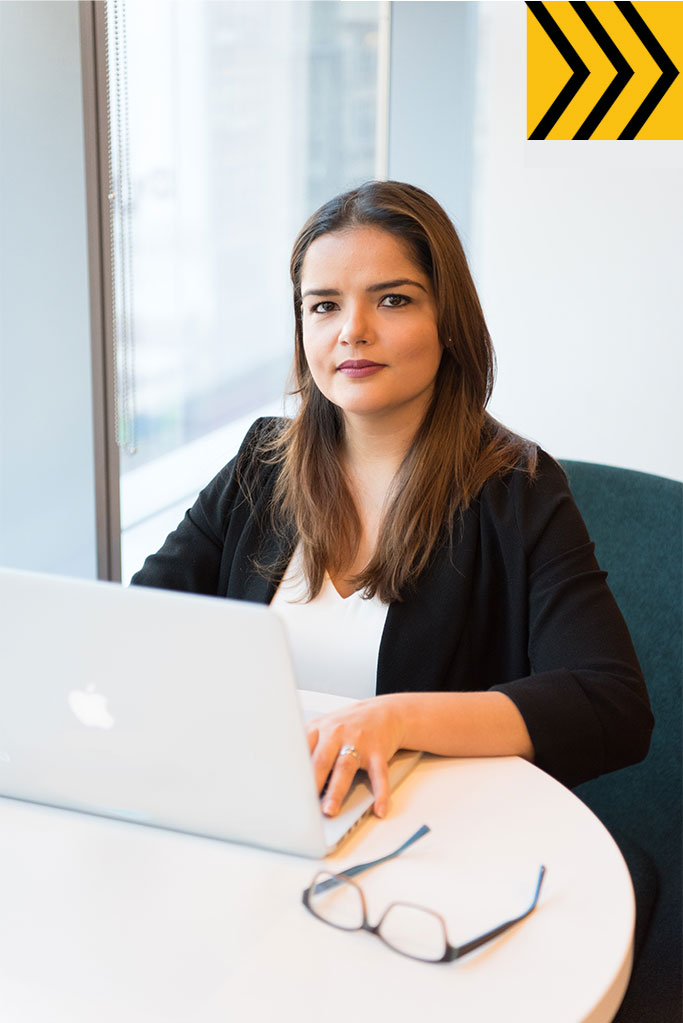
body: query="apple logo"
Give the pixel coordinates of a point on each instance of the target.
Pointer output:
(90, 707)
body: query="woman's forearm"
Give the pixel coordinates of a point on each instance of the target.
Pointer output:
(484, 724)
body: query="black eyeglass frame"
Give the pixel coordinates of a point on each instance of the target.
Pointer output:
(451, 953)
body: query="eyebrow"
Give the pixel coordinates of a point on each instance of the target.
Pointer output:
(382, 286)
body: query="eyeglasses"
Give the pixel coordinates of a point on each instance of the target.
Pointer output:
(413, 931)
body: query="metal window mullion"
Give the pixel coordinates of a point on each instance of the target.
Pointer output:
(106, 454)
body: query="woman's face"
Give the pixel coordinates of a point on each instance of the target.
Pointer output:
(369, 325)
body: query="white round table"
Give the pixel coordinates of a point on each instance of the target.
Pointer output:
(109, 921)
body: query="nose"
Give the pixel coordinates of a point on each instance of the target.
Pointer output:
(356, 329)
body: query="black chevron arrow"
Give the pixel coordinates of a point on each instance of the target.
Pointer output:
(579, 71)
(616, 58)
(664, 63)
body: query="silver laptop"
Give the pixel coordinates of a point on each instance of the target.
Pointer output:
(162, 708)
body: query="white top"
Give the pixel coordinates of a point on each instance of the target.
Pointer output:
(334, 640)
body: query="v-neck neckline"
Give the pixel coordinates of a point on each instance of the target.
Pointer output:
(328, 578)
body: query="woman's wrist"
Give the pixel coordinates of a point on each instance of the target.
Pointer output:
(398, 715)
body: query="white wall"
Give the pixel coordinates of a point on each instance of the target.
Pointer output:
(577, 250)
(47, 492)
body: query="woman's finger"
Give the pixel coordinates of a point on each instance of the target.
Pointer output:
(324, 757)
(378, 773)
(339, 784)
(312, 736)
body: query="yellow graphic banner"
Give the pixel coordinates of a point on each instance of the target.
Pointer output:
(605, 70)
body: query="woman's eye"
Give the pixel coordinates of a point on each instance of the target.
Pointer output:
(395, 301)
(322, 307)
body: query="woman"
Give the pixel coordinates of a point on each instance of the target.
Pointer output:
(423, 558)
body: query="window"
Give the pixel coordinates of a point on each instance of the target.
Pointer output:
(230, 123)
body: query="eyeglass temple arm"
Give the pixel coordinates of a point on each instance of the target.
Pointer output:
(360, 867)
(455, 952)
(333, 882)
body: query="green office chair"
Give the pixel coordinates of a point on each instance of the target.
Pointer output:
(636, 522)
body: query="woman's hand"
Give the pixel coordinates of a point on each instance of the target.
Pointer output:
(373, 728)
(475, 724)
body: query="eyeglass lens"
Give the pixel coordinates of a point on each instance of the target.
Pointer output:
(414, 931)
(337, 902)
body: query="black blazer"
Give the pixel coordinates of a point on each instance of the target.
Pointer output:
(518, 604)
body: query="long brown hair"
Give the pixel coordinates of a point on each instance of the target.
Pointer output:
(458, 445)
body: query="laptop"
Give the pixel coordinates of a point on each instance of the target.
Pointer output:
(162, 708)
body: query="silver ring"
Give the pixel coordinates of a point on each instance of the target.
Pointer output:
(349, 751)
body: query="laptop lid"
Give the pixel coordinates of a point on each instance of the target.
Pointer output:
(162, 708)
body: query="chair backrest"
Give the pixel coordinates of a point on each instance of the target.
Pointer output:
(636, 522)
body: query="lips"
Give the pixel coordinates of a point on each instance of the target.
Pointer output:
(354, 369)
(359, 364)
